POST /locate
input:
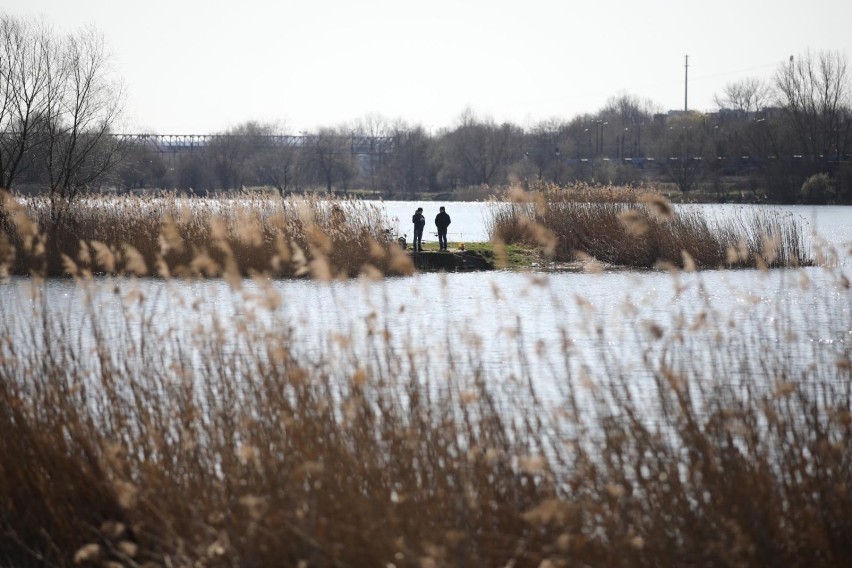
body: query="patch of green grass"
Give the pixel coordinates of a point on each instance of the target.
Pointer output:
(517, 256)
(430, 246)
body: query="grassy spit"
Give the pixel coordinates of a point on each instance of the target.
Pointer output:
(264, 234)
(621, 226)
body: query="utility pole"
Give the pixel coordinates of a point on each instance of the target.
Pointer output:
(685, 84)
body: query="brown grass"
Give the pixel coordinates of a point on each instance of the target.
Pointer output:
(236, 448)
(168, 235)
(129, 443)
(623, 227)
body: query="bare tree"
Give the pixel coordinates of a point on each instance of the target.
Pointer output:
(58, 105)
(279, 166)
(83, 105)
(624, 115)
(233, 152)
(275, 159)
(480, 149)
(144, 167)
(24, 47)
(372, 125)
(746, 96)
(329, 155)
(411, 166)
(546, 149)
(626, 108)
(814, 90)
(686, 142)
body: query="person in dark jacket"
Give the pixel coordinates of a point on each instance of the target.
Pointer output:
(442, 221)
(419, 223)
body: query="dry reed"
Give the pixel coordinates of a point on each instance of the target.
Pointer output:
(168, 235)
(123, 443)
(140, 449)
(623, 227)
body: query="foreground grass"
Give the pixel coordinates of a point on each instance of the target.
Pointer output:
(133, 445)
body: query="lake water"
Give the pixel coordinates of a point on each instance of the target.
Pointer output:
(503, 324)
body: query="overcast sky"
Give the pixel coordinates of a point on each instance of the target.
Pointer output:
(203, 66)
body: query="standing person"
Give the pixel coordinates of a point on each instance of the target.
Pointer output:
(442, 221)
(419, 222)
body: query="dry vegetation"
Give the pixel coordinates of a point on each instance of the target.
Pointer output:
(169, 235)
(623, 227)
(264, 234)
(236, 448)
(127, 445)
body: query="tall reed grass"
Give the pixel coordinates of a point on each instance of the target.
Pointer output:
(224, 441)
(131, 445)
(621, 226)
(169, 235)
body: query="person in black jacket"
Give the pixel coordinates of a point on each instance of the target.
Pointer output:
(442, 221)
(419, 223)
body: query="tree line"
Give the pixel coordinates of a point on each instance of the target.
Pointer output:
(786, 137)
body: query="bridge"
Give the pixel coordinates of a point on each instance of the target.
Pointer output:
(183, 143)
